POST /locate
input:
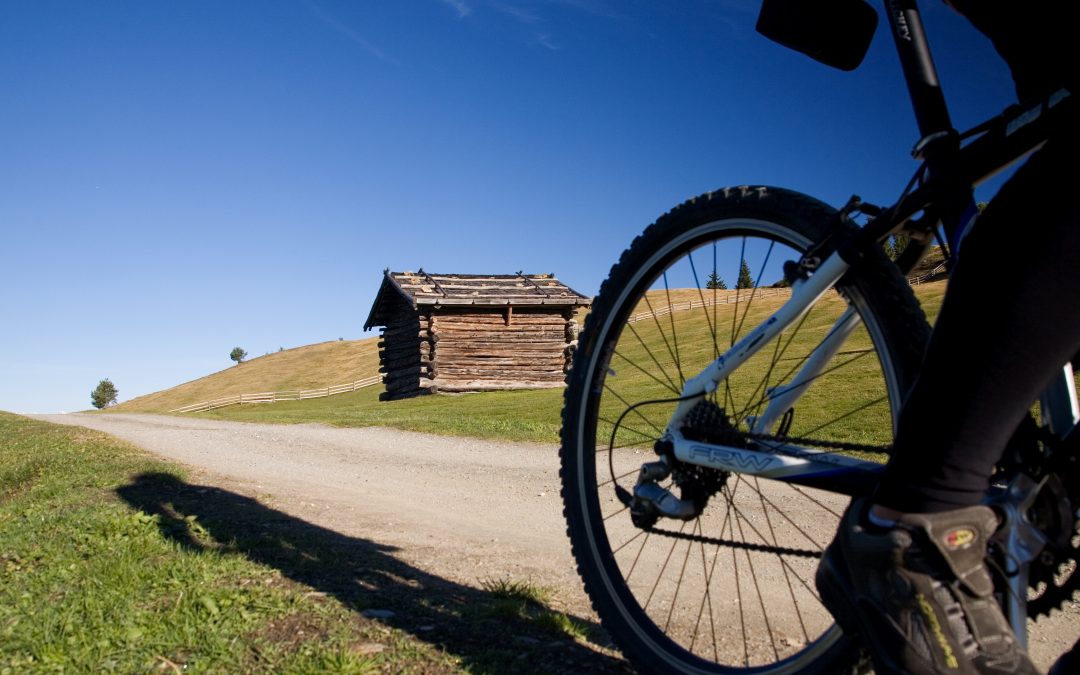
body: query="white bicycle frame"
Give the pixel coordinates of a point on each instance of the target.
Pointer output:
(1021, 539)
(784, 461)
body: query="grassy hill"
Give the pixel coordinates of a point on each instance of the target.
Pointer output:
(517, 415)
(310, 367)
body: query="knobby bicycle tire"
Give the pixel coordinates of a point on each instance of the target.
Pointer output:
(731, 590)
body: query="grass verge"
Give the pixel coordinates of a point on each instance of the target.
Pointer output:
(510, 415)
(111, 560)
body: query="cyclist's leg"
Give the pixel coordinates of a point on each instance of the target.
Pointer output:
(1009, 321)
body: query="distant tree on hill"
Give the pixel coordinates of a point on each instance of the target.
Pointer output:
(104, 394)
(238, 355)
(745, 280)
(715, 282)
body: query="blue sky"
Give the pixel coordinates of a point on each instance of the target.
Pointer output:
(180, 178)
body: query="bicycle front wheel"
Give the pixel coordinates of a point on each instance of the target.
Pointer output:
(733, 588)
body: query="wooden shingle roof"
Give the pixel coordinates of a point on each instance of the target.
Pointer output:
(483, 290)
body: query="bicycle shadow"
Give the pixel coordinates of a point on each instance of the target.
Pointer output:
(362, 575)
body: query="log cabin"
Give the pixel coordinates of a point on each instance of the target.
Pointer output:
(471, 332)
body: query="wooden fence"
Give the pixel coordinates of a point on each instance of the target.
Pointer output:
(923, 278)
(728, 298)
(274, 396)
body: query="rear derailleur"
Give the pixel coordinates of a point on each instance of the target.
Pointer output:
(706, 422)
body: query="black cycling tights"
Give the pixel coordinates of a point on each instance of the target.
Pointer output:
(1009, 321)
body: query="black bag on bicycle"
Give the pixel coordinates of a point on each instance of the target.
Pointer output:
(834, 32)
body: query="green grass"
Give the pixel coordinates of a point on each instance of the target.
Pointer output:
(113, 561)
(511, 415)
(516, 599)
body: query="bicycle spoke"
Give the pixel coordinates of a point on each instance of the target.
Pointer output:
(754, 289)
(637, 557)
(871, 404)
(701, 295)
(858, 355)
(636, 411)
(739, 600)
(776, 542)
(616, 479)
(817, 502)
(663, 336)
(679, 583)
(646, 438)
(674, 333)
(753, 402)
(817, 545)
(624, 509)
(739, 520)
(735, 314)
(656, 584)
(671, 385)
(638, 535)
(706, 600)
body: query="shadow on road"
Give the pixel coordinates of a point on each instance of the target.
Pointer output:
(363, 575)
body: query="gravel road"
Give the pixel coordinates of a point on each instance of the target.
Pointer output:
(463, 509)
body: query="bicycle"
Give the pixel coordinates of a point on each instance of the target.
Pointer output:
(704, 464)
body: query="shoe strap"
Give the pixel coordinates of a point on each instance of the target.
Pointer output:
(960, 539)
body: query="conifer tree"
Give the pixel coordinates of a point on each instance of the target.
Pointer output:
(104, 394)
(745, 280)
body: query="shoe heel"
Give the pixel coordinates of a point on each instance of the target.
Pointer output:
(836, 597)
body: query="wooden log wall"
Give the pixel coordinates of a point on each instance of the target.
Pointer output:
(470, 349)
(405, 355)
(499, 348)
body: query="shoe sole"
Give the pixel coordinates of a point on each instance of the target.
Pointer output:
(838, 596)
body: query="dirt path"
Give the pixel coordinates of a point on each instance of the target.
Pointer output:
(463, 509)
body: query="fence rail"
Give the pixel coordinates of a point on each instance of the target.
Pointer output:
(922, 278)
(728, 298)
(275, 396)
